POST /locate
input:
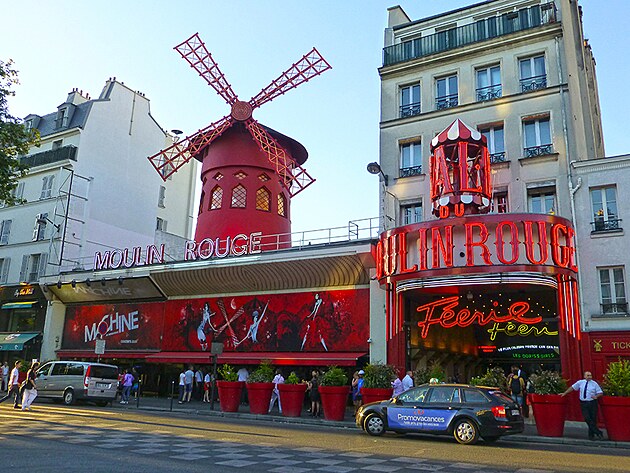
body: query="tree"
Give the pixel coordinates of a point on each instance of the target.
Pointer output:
(15, 138)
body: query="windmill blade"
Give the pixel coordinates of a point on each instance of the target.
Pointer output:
(293, 177)
(194, 51)
(312, 64)
(169, 160)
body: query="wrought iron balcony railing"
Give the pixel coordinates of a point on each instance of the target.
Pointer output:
(614, 308)
(447, 101)
(497, 157)
(482, 30)
(50, 156)
(411, 171)
(409, 110)
(489, 93)
(533, 83)
(535, 151)
(608, 225)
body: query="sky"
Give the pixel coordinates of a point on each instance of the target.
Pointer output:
(59, 45)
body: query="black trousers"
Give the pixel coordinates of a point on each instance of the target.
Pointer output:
(15, 392)
(589, 412)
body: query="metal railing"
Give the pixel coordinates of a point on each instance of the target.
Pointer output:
(497, 157)
(534, 151)
(411, 171)
(489, 93)
(409, 110)
(50, 156)
(614, 308)
(482, 30)
(446, 101)
(609, 225)
(530, 84)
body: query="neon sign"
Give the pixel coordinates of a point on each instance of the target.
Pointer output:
(523, 330)
(442, 313)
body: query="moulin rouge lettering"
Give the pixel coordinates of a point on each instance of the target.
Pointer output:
(443, 313)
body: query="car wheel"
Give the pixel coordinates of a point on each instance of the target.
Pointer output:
(374, 425)
(465, 432)
(68, 397)
(491, 439)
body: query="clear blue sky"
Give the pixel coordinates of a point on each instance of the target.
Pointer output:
(58, 45)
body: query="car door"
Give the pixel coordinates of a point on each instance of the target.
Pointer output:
(439, 408)
(402, 413)
(42, 379)
(56, 378)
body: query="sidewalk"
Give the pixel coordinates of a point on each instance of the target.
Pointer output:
(575, 433)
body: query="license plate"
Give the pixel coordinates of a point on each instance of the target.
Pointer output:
(105, 385)
(516, 412)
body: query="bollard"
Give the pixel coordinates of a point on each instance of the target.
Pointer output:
(172, 393)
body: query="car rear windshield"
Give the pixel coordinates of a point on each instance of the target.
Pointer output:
(106, 372)
(501, 397)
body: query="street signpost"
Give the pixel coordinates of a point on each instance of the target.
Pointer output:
(216, 348)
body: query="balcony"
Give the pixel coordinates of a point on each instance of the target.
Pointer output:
(535, 151)
(533, 83)
(489, 93)
(603, 225)
(409, 110)
(411, 171)
(482, 30)
(496, 158)
(614, 308)
(447, 101)
(50, 156)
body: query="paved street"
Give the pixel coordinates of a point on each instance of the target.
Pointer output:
(81, 438)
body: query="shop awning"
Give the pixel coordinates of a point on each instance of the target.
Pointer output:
(15, 341)
(254, 358)
(19, 305)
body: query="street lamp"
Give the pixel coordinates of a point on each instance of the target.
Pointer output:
(375, 168)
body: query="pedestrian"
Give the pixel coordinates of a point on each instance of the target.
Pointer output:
(275, 395)
(182, 387)
(30, 388)
(207, 381)
(589, 392)
(127, 385)
(243, 374)
(5, 376)
(398, 386)
(516, 387)
(313, 390)
(14, 386)
(198, 384)
(407, 381)
(189, 375)
(357, 384)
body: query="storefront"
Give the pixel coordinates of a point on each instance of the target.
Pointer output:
(602, 348)
(22, 315)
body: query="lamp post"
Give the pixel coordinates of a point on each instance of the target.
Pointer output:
(375, 168)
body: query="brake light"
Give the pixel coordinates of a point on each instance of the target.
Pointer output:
(499, 412)
(86, 379)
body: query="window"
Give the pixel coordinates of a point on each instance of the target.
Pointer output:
(411, 213)
(33, 266)
(203, 196)
(613, 292)
(57, 144)
(62, 118)
(443, 394)
(47, 186)
(542, 201)
(18, 191)
(414, 395)
(496, 143)
(533, 75)
(5, 231)
(410, 159)
(499, 204)
(472, 396)
(604, 203)
(239, 197)
(409, 100)
(240, 175)
(537, 137)
(160, 224)
(412, 48)
(59, 369)
(489, 83)
(5, 264)
(263, 199)
(446, 92)
(282, 205)
(216, 198)
(218, 176)
(263, 177)
(39, 230)
(161, 196)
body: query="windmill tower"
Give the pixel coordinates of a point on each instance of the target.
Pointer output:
(249, 171)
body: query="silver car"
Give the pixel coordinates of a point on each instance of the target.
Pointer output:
(69, 381)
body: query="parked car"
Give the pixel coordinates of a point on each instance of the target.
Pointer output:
(69, 381)
(466, 412)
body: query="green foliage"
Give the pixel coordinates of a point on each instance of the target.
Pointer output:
(262, 374)
(493, 377)
(547, 382)
(424, 375)
(379, 375)
(617, 379)
(228, 373)
(15, 138)
(292, 379)
(335, 376)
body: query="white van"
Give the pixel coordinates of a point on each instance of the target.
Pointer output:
(68, 381)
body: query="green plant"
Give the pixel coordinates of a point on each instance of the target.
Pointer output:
(335, 376)
(424, 375)
(493, 377)
(262, 374)
(292, 379)
(617, 379)
(228, 373)
(379, 375)
(547, 382)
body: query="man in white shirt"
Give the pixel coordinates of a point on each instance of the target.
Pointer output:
(275, 395)
(589, 392)
(14, 386)
(189, 374)
(198, 384)
(182, 387)
(407, 381)
(243, 374)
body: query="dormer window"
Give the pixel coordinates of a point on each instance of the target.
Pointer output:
(62, 118)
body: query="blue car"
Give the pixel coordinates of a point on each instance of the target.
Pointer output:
(463, 411)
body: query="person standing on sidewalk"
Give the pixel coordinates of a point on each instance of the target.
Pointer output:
(275, 395)
(30, 388)
(189, 374)
(14, 386)
(407, 381)
(589, 392)
(182, 387)
(127, 384)
(243, 374)
(5, 376)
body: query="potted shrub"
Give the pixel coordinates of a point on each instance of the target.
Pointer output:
(259, 388)
(493, 378)
(550, 409)
(424, 375)
(377, 382)
(230, 389)
(615, 402)
(292, 396)
(334, 389)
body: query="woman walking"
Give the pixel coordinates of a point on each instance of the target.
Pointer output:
(30, 388)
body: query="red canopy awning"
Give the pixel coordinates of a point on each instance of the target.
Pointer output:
(254, 358)
(107, 354)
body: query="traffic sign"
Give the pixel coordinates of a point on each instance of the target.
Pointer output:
(99, 348)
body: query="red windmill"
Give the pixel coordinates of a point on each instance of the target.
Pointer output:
(249, 171)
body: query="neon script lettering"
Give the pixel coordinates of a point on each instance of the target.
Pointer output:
(523, 330)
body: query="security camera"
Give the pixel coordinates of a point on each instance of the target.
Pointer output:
(369, 340)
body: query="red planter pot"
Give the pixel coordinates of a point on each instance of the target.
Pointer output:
(334, 400)
(550, 412)
(292, 399)
(230, 395)
(616, 413)
(375, 394)
(259, 395)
